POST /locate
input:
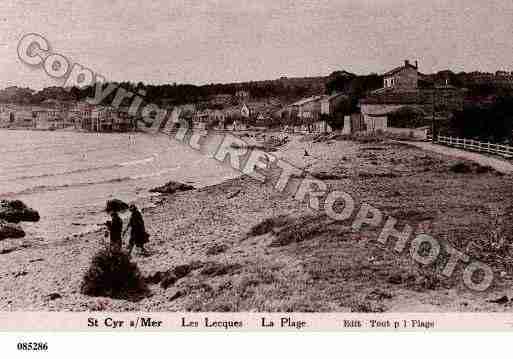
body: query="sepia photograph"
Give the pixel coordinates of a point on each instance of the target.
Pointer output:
(280, 157)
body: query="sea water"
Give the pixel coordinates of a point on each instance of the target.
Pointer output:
(68, 176)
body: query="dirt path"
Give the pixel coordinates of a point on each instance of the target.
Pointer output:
(500, 165)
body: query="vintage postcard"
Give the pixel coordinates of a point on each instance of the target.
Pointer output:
(256, 166)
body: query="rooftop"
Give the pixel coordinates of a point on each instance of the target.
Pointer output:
(400, 68)
(307, 100)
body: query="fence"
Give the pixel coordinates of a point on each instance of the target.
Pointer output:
(473, 145)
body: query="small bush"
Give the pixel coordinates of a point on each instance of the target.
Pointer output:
(461, 167)
(268, 225)
(328, 176)
(172, 187)
(112, 274)
(469, 167)
(299, 230)
(287, 229)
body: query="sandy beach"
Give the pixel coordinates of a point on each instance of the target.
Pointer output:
(236, 264)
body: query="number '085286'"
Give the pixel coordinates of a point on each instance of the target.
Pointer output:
(32, 346)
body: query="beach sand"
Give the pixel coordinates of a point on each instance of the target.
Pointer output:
(302, 262)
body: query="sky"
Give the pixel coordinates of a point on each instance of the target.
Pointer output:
(216, 41)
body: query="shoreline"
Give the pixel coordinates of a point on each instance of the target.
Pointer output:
(127, 170)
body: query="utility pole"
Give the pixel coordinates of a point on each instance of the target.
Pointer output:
(433, 126)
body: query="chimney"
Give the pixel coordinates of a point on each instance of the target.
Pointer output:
(406, 62)
(417, 64)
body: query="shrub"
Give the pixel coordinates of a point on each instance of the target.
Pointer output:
(461, 167)
(298, 230)
(172, 187)
(469, 167)
(112, 274)
(268, 225)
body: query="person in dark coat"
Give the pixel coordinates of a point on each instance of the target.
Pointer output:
(115, 226)
(138, 234)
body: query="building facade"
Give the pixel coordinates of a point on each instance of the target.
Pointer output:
(330, 104)
(404, 78)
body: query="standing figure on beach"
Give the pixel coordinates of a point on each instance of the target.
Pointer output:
(115, 226)
(138, 235)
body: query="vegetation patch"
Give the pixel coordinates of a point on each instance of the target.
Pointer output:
(328, 176)
(112, 274)
(471, 168)
(268, 225)
(172, 187)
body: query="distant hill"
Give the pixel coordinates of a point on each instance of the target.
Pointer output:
(285, 89)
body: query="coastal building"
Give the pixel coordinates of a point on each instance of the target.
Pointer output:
(44, 118)
(209, 119)
(245, 111)
(307, 109)
(122, 121)
(22, 116)
(98, 118)
(201, 120)
(404, 78)
(218, 119)
(353, 123)
(242, 96)
(305, 116)
(7, 114)
(173, 122)
(261, 118)
(238, 125)
(402, 105)
(101, 119)
(80, 115)
(185, 116)
(400, 88)
(320, 127)
(330, 104)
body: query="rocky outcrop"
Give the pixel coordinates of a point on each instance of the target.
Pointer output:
(172, 187)
(12, 213)
(10, 230)
(16, 211)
